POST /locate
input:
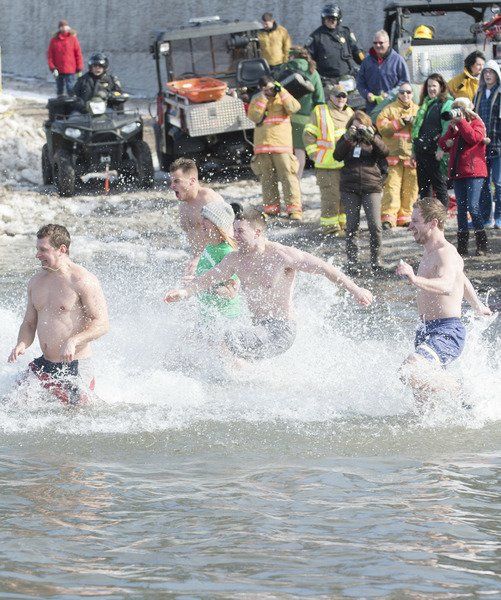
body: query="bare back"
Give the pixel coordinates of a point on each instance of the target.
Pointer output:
(57, 300)
(435, 263)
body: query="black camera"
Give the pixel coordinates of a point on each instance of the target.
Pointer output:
(453, 113)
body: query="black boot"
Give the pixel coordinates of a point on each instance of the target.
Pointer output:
(481, 239)
(463, 237)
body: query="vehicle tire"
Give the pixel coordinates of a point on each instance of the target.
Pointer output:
(47, 177)
(144, 164)
(65, 173)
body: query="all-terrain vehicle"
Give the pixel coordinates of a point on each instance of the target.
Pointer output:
(436, 37)
(206, 73)
(105, 143)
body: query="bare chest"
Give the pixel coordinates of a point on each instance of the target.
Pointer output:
(55, 297)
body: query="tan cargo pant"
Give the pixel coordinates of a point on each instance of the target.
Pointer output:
(399, 194)
(331, 205)
(273, 169)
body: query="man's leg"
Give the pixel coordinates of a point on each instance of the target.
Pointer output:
(328, 182)
(409, 194)
(486, 193)
(426, 378)
(60, 84)
(352, 203)
(262, 166)
(70, 82)
(391, 194)
(287, 168)
(496, 177)
(372, 209)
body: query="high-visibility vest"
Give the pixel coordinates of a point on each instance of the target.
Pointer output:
(327, 135)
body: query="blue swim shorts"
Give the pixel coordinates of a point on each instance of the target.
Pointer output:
(440, 340)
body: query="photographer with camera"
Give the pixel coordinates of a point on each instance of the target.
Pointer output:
(428, 126)
(465, 142)
(361, 185)
(273, 159)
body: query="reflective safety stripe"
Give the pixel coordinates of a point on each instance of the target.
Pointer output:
(405, 135)
(329, 221)
(395, 124)
(265, 149)
(260, 104)
(342, 219)
(277, 119)
(326, 139)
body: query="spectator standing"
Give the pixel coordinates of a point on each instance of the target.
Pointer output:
(333, 46)
(273, 159)
(394, 123)
(428, 126)
(327, 124)
(464, 140)
(381, 71)
(465, 84)
(274, 41)
(488, 107)
(64, 57)
(361, 148)
(301, 62)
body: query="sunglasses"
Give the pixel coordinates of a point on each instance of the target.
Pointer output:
(405, 91)
(379, 43)
(342, 95)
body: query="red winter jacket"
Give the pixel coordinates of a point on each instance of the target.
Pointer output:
(468, 138)
(64, 53)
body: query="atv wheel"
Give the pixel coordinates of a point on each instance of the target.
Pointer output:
(144, 163)
(65, 174)
(47, 177)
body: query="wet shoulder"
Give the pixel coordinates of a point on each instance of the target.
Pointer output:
(80, 277)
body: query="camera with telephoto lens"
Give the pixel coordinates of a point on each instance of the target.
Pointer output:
(453, 113)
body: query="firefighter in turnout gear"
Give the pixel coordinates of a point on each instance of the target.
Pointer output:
(327, 124)
(273, 159)
(333, 46)
(394, 123)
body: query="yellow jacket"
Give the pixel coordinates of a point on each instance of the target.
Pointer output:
(273, 132)
(464, 85)
(275, 45)
(327, 124)
(395, 132)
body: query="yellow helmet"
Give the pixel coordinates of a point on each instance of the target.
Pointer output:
(424, 32)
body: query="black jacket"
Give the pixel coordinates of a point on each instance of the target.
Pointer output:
(361, 174)
(89, 86)
(334, 50)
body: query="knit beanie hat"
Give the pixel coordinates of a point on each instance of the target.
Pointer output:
(220, 214)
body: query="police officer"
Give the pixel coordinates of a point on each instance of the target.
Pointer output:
(333, 46)
(96, 82)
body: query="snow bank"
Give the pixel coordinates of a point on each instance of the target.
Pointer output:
(21, 141)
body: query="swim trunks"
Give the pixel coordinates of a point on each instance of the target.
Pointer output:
(440, 340)
(69, 382)
(267, 338)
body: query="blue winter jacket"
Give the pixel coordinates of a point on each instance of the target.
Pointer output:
(376, 78)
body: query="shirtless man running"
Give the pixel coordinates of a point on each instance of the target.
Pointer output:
(267, 272)
(67, 309)
(184, 182)
(442, 284)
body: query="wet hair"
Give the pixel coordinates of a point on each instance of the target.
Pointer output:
(265, 80)
(57, 234)
(470, 60)
(361, 116)
(302, 52)
(254, 216)
(444, 90)
(431, 208)
(267, 16)
(186, 165)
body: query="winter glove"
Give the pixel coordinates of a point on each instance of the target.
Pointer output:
(55, 72)
(79, 74)
(277, 87)
(367, 133)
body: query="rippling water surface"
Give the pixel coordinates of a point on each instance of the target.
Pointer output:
(310, 475)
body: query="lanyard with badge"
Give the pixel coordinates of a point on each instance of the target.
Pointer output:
(357, 151)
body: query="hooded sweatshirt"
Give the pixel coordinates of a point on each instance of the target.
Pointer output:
(489, 108)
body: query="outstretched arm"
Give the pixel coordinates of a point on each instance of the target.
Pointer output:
(27, 331)
(96, 317)
(308, 263)
(222, 272)
(470, 295)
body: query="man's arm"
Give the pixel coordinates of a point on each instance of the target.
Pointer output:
(27, 330)
(442, 284)
(96, 317)
(220, 273)
(308, 263)
(361, 81)
(470, 295)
